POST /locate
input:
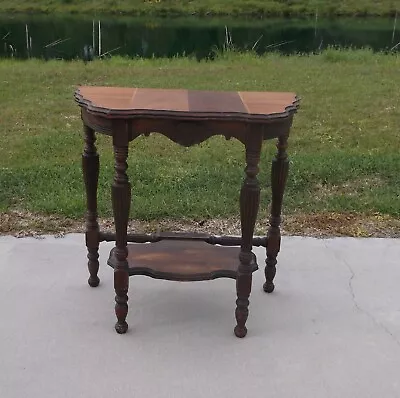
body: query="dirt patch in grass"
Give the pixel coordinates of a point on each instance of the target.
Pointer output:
(322, 225)
(339, 224)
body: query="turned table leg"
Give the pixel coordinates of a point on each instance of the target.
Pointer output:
(249, 203)
(90, 167)
(279, 173)
(121, 198)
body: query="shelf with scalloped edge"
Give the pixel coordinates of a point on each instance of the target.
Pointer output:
(182, 260)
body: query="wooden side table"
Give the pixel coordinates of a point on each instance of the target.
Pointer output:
(187, 118)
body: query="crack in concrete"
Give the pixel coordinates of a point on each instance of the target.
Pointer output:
(354, 299)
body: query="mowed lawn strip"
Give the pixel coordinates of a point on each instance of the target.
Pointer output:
(344, 144)
(255, 8)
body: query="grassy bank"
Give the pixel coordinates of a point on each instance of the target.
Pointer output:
(344, 148)
(257, 8)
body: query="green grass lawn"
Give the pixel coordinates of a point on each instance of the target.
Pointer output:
(344, 146)
(207, 7)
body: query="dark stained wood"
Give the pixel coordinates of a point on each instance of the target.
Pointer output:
(90, 167)
(182, 261)
(187, 118)
(121, 198)
(279, 173)
(211, 239)
(215, 102)
(150, 99)
(249, 203)
(189, 132)
(117, 102)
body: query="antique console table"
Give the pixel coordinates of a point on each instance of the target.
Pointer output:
(187, 118)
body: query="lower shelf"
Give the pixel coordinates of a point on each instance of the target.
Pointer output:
(182, 260)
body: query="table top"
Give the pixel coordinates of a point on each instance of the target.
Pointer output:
(117, 102)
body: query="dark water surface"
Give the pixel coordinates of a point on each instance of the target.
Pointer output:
(66, 37)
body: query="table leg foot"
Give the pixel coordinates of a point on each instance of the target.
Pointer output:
(121, 300)
(93, 281)
(121, 327)
(93, 266)
(240, 331)
(270, 272)
(243, 287)
(268, 287)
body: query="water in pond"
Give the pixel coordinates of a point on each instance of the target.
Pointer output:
(66, 37)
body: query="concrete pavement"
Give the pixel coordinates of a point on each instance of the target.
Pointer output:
(330, 329)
